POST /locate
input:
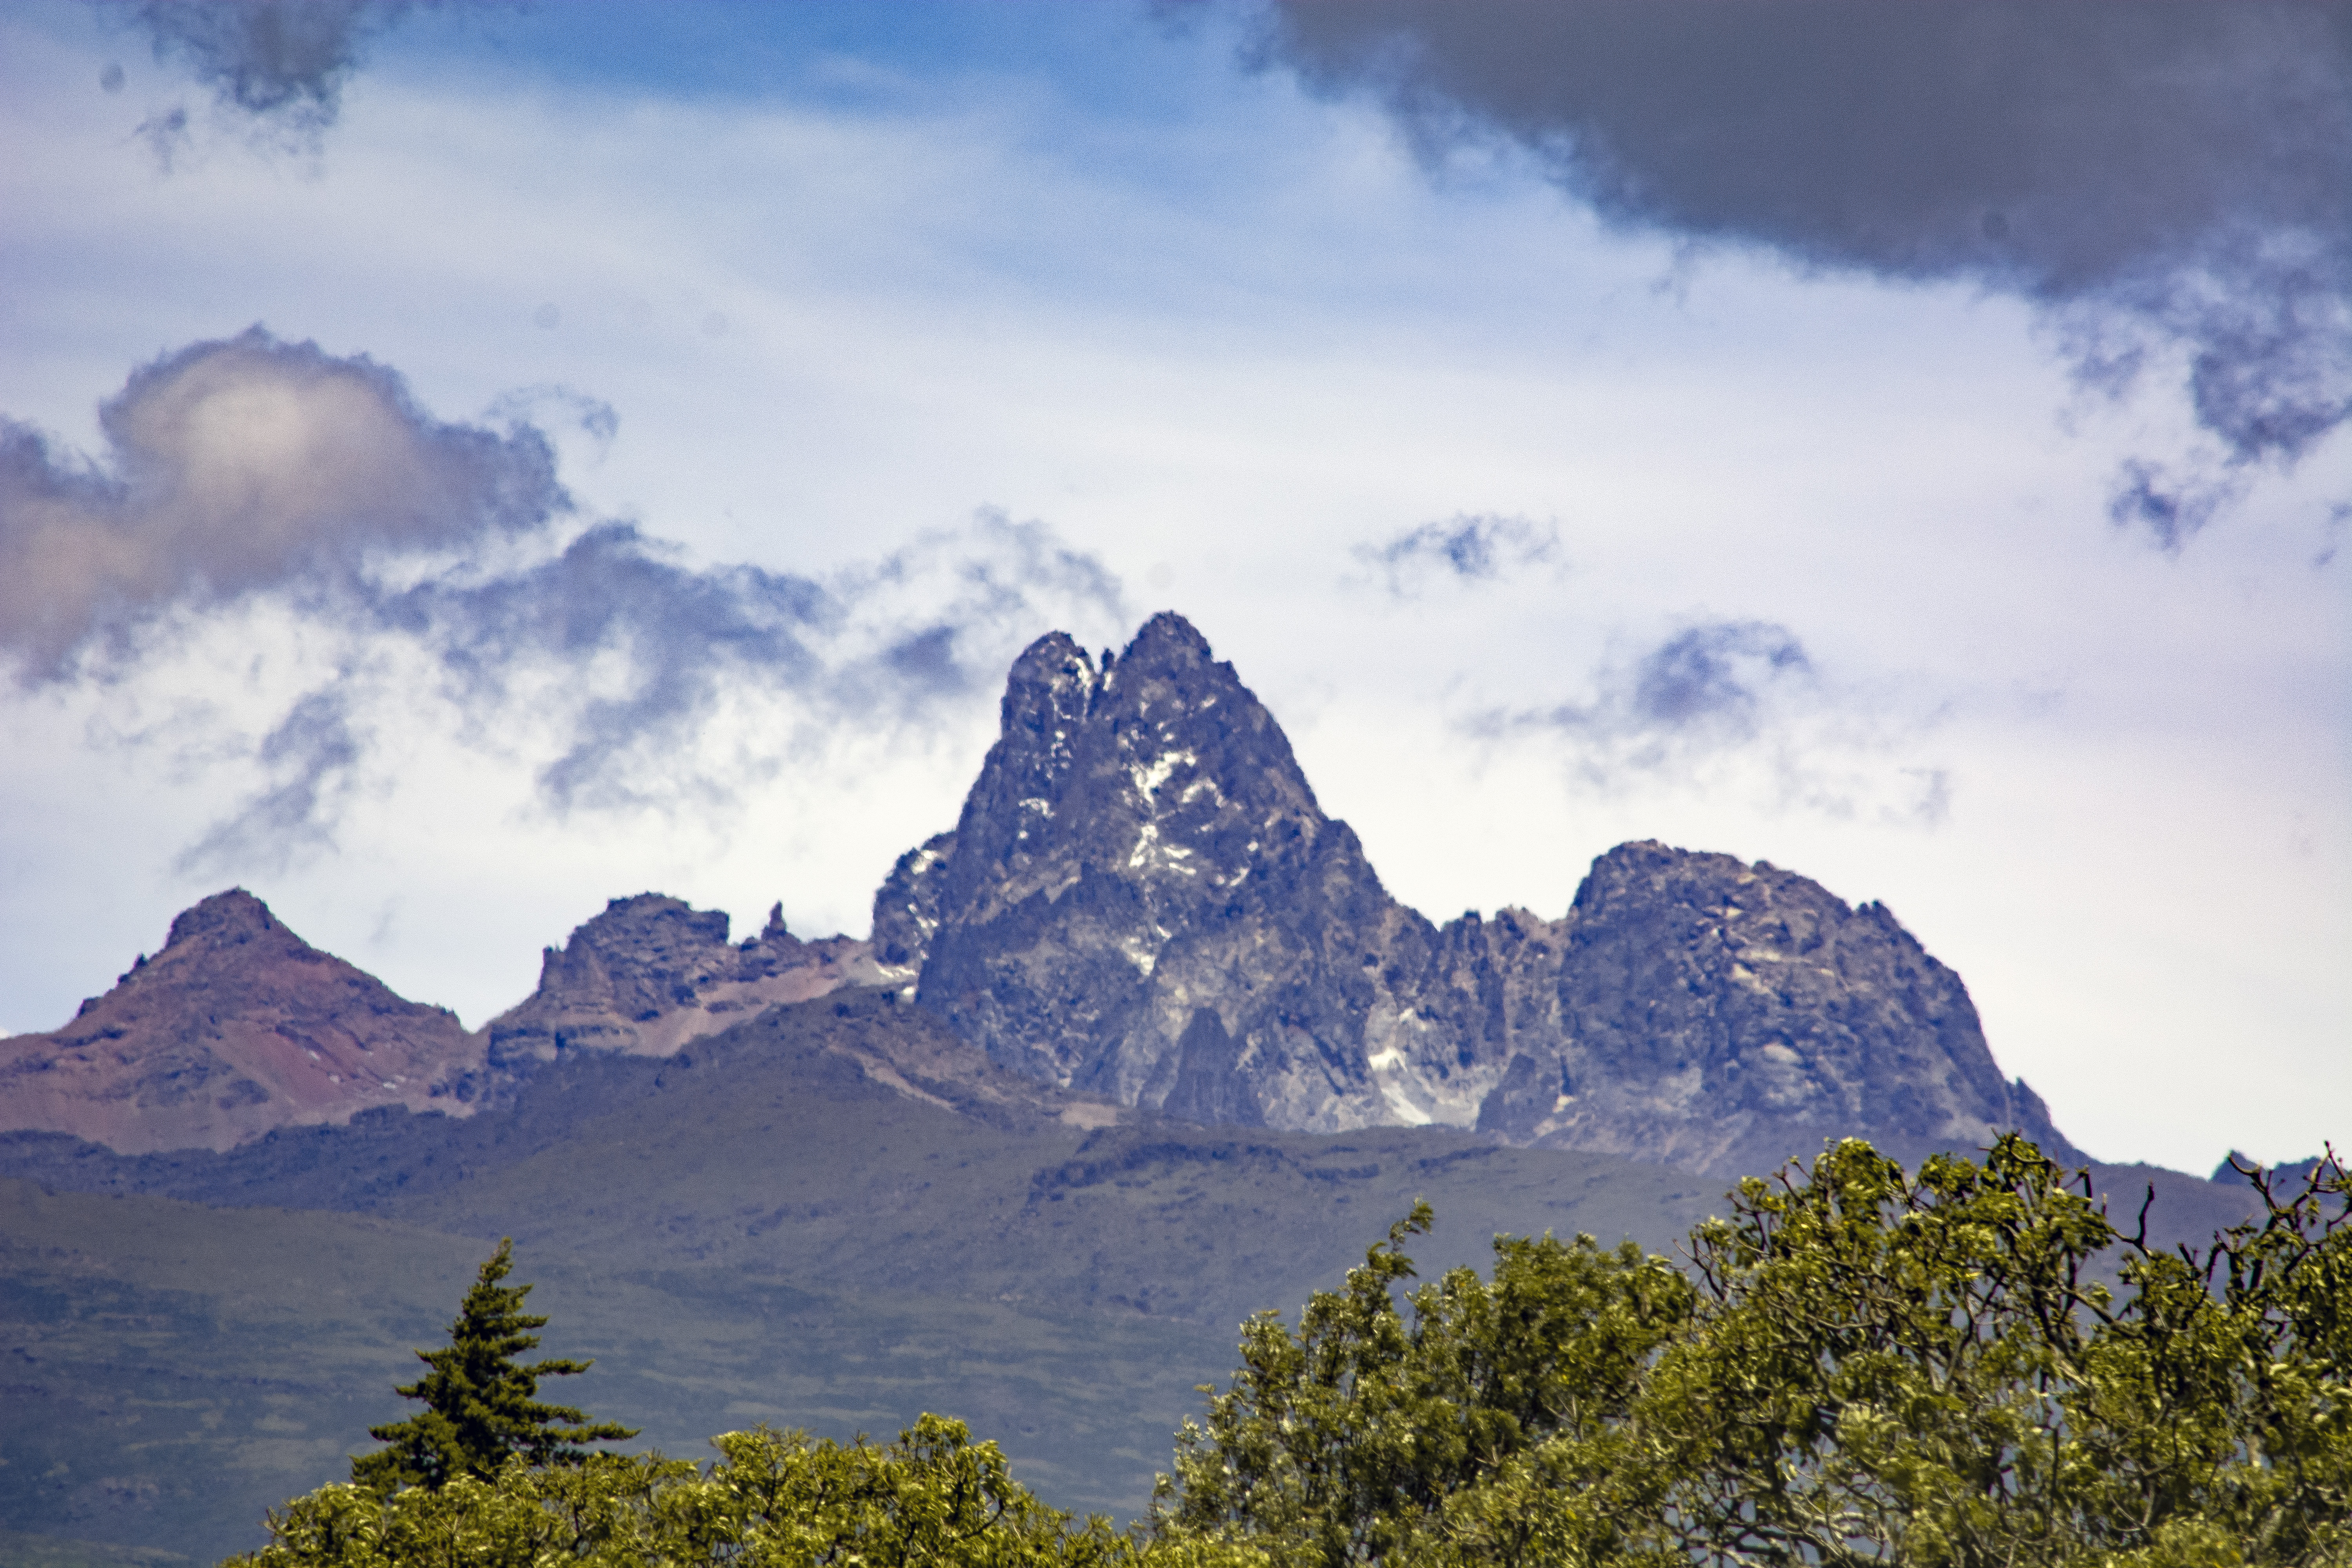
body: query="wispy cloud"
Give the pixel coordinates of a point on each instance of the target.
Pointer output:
(1737, 704)
(279, 67)
(1464, 549)
(2172, 185)
(312, 756)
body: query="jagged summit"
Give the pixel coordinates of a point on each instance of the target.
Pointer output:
(1143, 898)
(1142, 901)
(652, 972)
(1139, 839)
(238, 1026)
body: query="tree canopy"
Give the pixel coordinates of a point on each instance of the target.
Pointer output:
(1861, 1365)
(481, 1407)
(772, 1500)
(1968, 1367)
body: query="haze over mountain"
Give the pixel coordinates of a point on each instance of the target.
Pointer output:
(1143, 902)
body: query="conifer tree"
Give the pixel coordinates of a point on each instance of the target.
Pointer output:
(480, 1405)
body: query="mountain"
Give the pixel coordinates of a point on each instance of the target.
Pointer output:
(1142, 901)
(651, 973)
(236, 1027)
(835, 1214)
(1142, 898)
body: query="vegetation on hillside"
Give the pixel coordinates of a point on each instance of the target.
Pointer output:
(482, 1407)
(1862, 1365)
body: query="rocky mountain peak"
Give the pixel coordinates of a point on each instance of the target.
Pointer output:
(236, 1026)
(1143, 898)
(232, 916)
(1159, 769)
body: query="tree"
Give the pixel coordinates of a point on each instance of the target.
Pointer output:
(773, 1500)
(480, 1406)
(1874, 1367)
(1348, 1441)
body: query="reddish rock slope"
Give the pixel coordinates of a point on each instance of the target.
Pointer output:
(238, 1026)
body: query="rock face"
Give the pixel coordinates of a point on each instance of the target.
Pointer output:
(1142, 899)
(236, 1027)
(1726, 1017)
(651, 973)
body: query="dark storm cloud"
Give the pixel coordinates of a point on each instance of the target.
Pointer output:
(1464, 549)
(281, 62)
(239, 466)
(2163, 178)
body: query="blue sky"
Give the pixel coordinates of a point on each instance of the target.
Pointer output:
(701, 405)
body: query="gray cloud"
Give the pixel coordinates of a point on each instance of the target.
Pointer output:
(253, 470)
(1705, 684)
(280, 63)
(2165, 179)
(679, 633)
(239, 466)
(1740, 705)
(1462, 549)
(2171, 507)
(314, 753)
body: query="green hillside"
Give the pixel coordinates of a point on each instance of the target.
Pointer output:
(751, 1231)
(768, 1236)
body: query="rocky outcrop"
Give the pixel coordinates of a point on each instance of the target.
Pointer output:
(236, 1027)
(1143, 900)
(1727, 1016)
(651, 973)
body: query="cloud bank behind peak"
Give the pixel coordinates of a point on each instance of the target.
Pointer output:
(2163, 179)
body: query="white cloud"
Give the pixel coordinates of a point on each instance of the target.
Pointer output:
(1235, 360)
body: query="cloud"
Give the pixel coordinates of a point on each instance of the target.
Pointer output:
(1464, 549)
(1737, 705)
(1704, 686)
(294, 507)
(2163, 180)
(235, 466)
(668, 636)
(314, 753)
(2171, 507)
(281, 63)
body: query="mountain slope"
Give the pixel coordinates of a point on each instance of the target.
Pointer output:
(760, 1227)
(236, 1026)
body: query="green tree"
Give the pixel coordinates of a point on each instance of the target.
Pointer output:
(1926, 1369)
(773, 1500)
(480, 1406)
(1874, 1367)
(1346, 1441)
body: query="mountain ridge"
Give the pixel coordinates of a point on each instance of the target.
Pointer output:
(1143, 900)
(1143, 897)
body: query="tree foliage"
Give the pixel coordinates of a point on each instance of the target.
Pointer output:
(481, 1407)
(1968, 1367)
(1869, 1367)
(773, 1500)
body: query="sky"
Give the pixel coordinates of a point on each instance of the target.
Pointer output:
(462, 463)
